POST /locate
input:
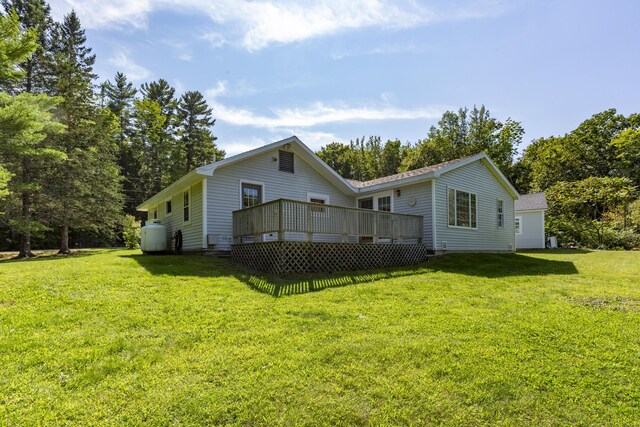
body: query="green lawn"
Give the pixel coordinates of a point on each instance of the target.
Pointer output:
(114, 337)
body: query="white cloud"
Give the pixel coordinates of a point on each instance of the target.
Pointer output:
(381, 50)
(220, 89)
(123, 62)
(215, 39)
(235, 147)
(315, 140)
(257, 24)
(319, 113)
(101, 13)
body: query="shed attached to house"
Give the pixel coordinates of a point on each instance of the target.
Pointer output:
(529, 221)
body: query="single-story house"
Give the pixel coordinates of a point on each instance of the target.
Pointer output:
(529, 221)
(275, 193)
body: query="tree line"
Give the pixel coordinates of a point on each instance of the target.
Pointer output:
(590, 175)
(77, 154)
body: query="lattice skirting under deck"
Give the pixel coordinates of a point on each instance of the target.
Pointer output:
(309, 257)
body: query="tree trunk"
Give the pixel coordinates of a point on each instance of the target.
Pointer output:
(64, 240)
(25, 235)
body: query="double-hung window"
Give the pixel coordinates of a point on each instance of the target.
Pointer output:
(462, 209)
(500, 209)
(186, 206)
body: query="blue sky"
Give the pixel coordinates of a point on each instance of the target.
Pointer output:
(335, 70)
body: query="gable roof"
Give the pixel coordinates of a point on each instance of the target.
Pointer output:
(433, 171)
(292, 142)
(531, 202)
(403, 175)
(351, 187)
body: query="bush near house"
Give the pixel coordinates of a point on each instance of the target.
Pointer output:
(119, 338)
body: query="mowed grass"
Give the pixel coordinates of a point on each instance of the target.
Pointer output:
(118, 338)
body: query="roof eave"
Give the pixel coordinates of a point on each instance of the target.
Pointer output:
(187, 180)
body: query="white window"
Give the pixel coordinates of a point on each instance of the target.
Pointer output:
(518, 225)
(186, 206)
(462, 209)
(154, 214)
(384, 204)
(251, 194)
(500, 208)
(168, 206)
(320, 199)
(378, 202)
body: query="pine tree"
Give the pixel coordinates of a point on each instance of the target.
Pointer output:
(120, 96)
(153, 149)
(25, 122)
(172, 160)
(34, 15)
(89, 167)
(25, 118)
(197, 141)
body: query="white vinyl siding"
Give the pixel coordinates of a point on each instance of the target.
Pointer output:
(532, 232)
(192, 231)
(224, 194)
(416, 199)
(474, 177)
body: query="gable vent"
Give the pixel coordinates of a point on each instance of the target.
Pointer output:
(286, 161)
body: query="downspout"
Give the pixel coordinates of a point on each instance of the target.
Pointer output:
(205, 243)
(433, 212)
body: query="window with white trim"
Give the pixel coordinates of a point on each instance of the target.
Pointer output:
(384, 203)
(500, 209)
(518, 224)
(154, 214)
(186, 206)
(168, 206)
(251, 194)
(462, 209)
(319, 199)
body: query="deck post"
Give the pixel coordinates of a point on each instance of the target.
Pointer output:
(376, 217)
(344, 226)
(309, 226)
(280, 220)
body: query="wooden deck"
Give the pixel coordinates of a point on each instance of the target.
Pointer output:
(285, 236)
(287, 220)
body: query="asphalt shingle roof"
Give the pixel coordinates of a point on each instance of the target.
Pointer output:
(531, 202)
(422, 171)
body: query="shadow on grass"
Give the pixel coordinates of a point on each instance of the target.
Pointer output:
(559, 251)
(481, 265)
(501, 265)
(196, 265)
(53, 255)
(294, 284)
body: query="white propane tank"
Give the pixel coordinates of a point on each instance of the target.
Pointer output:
(153, 237)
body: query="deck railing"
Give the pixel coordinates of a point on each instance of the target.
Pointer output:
(284, 216)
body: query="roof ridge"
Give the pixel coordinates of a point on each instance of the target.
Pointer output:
(413, 172)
